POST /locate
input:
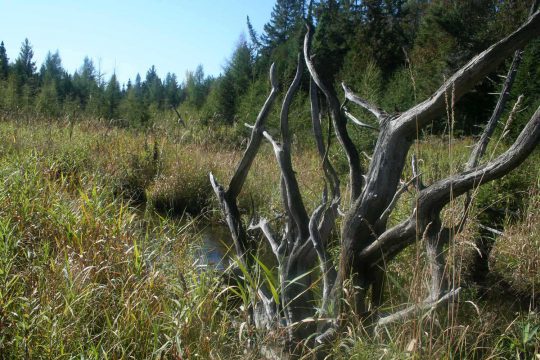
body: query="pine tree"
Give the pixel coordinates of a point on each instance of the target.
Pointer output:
(286, 16)
(25, 66)
(132, 106)
(4, 62)
(236, 80)
(112, 97)
(84, 82)
(153, 90)
(52, 68)
(197, 87)
(47, 102)
(254, 37)
(171, 89)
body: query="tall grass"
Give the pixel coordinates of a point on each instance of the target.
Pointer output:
(98, 252)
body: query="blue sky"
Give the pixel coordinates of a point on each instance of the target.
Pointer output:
(130, 36)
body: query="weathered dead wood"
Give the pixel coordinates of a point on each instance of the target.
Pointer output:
(480, 147)
(415, 310)
(356, 121)
(433, 198)
(470, 74)
(340, 123)
(228, 198)
(366, 242)
(379, 113)
(359, 233)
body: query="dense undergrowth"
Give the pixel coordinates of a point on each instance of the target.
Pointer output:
(99, 230)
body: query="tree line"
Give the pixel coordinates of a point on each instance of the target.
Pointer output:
(391, 52)
(53, 92)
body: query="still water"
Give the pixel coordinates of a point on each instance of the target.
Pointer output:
(216, 247)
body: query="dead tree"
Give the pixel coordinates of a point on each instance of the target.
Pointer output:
(366, 241)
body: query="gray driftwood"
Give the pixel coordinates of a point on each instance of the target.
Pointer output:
(300, 240)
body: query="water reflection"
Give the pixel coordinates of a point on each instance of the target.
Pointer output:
(216, 247)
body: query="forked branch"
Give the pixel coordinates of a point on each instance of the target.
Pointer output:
(340, 123)
(379, 113)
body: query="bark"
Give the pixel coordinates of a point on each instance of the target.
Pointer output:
(366, 242)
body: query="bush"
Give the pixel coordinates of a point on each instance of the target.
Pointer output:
(188, 190)
(516, 255)
(134, 177)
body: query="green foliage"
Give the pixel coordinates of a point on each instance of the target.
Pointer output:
(25, 66)
(112, 97)
(527, 83)
(47, 101)
(4, 62)
(515, 257)
(132, 107)
(521, 340)
(197, 87)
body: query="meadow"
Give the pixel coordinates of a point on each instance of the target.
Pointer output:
(100, 232)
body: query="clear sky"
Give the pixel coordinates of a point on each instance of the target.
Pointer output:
(130, 36)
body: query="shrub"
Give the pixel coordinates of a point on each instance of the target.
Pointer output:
(516, 255)
(134, 176)
(187, 190)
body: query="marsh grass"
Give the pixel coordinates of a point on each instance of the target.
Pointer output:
(90, 269)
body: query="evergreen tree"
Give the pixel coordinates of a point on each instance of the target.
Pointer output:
(336, 24)
(153, 91)
(236, 80)
(52, 68)
(112, 97)
(84, 82)
(25, 66)
(286, 16)
(197, 87)
(132, 106)
(4, 62)
(254, 37)
(172, 91)
(47, 102)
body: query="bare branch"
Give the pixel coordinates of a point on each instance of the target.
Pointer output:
(379, 113)
(264, 226)
(435, 242)
(433, 198)
(340, 124)
(384, 216)
(481, 145)
(416, 173)
(327, 271)
(358, 122)
(283, 156)
(492, 230)
(316, 117)
(180, 120)
(232, 217)
(239, 177)
(228, 198)
(465, 78)
(415, 310)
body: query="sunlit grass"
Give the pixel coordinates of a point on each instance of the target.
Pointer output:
(91, 266)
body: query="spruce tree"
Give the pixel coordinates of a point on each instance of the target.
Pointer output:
(25, 66)
(285, 17)
(197, 87)
(52, 68)
(153, 91)
(171, 89)
(112, 97)
(4, 62)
